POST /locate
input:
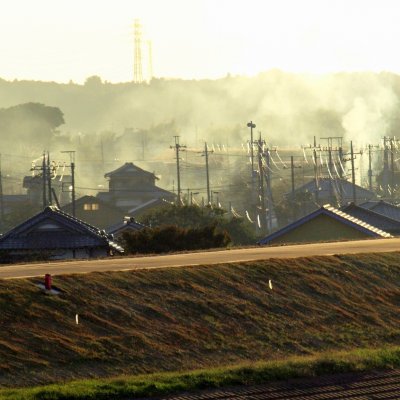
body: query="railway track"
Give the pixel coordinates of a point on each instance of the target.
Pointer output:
(368, 386)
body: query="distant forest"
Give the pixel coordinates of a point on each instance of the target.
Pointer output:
(287, 108)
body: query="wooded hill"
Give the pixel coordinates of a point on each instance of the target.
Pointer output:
(288, 108)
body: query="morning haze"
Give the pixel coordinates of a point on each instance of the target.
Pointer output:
(67, 82)
(203, 184)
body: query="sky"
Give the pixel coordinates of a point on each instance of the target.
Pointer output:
(71, 40)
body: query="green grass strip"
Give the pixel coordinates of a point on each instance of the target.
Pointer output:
(249, 374)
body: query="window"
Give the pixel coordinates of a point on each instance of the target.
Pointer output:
(91, 206)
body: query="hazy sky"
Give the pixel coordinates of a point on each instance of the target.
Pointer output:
(62, 40)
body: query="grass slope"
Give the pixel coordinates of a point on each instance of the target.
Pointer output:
(252, 374)
(200, 317)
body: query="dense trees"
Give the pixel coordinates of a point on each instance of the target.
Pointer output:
(173, 238)
(32, 123)
(193, 217)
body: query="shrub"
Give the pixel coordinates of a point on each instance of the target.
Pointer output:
(173, 238)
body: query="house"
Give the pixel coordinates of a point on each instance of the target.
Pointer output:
(128, 224)
(13, 202)
(130, 186)
(34, 186)
(153, 204)
(383, 208)
(373, 218)
(54, 234)
(334, 191)
(95, 211)
(324, 225)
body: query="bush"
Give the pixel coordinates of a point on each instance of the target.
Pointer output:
(173, 238)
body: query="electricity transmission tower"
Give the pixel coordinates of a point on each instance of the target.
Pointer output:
(137, 66)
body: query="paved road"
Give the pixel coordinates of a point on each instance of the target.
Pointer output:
(374, 385)
(210, 257)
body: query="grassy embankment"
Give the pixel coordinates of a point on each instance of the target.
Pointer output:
(252, 374)
(183, 319)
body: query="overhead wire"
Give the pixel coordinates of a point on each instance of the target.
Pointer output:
(280, 159)
(304, 153)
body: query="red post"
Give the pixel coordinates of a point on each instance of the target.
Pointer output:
(47, 281)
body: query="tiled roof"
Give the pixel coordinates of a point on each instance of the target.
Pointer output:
(54, 229)
(373, 218)
(148, 205)
(341, 186)
(384, 208)
(334, 213)
(127, 169)
(127, 223)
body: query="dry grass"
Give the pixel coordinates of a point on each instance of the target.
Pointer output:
(200, 317)
(161, 384)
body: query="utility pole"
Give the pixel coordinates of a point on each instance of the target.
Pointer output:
(353, 175)
(385, 167)
(44, 180)
(178, 172)
(205, 154)
(261, 186)
(72, 166)
(251, 125)
(269, 191)
(292, 167)
(341, 160)
(73, 187)
(330, 163)
(369, 167)
(392, 166)
(316, 175)
(331, 195)
(49, 180)
(1, 195)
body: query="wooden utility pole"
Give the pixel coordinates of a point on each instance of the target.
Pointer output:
(370, 167)
(1, 195)
(269, 190)
(178, 172)
(385, 179)
(292, 167)
(316, 173)
(44, 180)
(205, 154)
(341, 161)
(251, 125)
(263, 223)
(49, 180)
(353, 175)
(73, 188)
(72, 165)
(392, 180)
(292, 175)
